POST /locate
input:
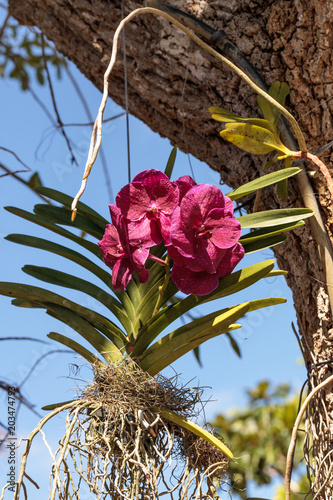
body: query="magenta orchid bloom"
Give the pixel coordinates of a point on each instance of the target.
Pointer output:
(195, 223)
(149, 200)
(119, 255)
(204, 234)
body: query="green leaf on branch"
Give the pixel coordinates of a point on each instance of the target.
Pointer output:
(261, 182)
(45, 299)
(264, 232)
(279, 92)
(225, 116)
(44, 222)
(253, 139)
(274, 217)
(62, 215)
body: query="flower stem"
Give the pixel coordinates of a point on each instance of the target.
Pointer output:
(163, 287)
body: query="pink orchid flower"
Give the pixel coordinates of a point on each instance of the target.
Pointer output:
(149, 200)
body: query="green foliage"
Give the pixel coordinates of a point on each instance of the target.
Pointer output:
(259, 136)
(21, 55)
(259, 435)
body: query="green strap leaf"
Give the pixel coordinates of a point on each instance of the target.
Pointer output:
(69, 281)
(177, 343)
(104, 346)
(66, 200)
(225, 116)
(44, 222)
(257, 234)
(274, 217)
(253, 139)
(263, 243)
(62, 215)
(63, 251)
(261, 182)
(166, 350)
(78, 348)
(171, 162)
(44, 299)
(228, 285)
(196, 429)
(54, 406)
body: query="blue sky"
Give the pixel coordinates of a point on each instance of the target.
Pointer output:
(269, 348)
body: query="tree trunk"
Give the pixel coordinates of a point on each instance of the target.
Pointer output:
(171, 84)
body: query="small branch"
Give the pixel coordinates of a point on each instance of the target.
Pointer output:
(294, 433)
(28, 169)
(3, 27)
(54, 101)
(13, 174)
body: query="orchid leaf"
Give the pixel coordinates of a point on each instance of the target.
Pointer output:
(263, 243)
(62, 215)
(69, 281)
(171, 162)
(279, 92)
(225, 116)
(44, 222)
(228, 285)
(261, 182)
(63, 251)
(78, 348)
(253, 139)
(196, 352)
(274, 217)
(104, 346)
(66, 200)
(195, 429)
(177, 343)
(54, 406)
(234, 344)
(257, 234)
(44, 299)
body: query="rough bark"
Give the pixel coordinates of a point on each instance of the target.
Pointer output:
(171, 84)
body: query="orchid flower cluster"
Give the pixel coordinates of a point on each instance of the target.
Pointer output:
(195, 222)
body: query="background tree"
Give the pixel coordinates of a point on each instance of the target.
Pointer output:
(171, 83)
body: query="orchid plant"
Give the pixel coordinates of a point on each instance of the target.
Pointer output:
(165, 237)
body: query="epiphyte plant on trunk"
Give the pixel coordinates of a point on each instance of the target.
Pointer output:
(165, 237)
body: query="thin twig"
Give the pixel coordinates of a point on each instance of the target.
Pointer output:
(24, 338)
(55, 107)
(294, 433)
(3, 27)
(13, 174)
(28, 169)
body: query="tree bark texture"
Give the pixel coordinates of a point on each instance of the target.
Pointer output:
(171, 84)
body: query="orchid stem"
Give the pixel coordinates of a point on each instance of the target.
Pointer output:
(163, 287)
